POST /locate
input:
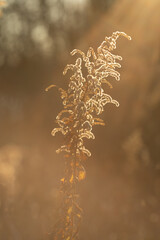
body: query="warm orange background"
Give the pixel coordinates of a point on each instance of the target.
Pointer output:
(121, 193)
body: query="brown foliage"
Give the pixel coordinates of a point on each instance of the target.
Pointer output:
(84, 99)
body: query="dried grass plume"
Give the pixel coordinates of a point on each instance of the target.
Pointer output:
(83, 102)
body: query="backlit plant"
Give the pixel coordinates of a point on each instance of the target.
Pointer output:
(83, 102)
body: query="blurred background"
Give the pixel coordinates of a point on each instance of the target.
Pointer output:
(121, 193)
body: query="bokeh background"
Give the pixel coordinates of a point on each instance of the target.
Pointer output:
(121, 193)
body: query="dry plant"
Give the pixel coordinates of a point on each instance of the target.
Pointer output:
(84, 99)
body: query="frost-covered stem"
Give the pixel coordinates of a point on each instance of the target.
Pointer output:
(74, 192)
(74, 187)
(83, 101)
